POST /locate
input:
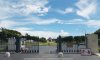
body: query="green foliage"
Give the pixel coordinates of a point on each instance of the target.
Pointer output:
(42, 39)
(79, 39)
(10, 33)
(68, 39)
(7, 33)
(28, 37)
(97, 32)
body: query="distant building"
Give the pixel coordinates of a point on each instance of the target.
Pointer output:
(49, 39)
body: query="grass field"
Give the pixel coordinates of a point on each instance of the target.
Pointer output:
(47, 44)
(41, 44)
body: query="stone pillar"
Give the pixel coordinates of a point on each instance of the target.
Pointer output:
(92, 42)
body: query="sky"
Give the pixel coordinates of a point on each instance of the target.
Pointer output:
(50, 18)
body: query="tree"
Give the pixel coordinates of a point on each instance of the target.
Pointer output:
(98, 33)
(67, 39)
(7, 33)
(79, 39)
(43, 39)
(27, 36)
(35, 38)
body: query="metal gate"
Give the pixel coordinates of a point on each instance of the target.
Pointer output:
(21, 45)
(73, 48)
(68, 47)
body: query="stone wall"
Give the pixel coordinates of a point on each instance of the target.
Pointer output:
(92, 42)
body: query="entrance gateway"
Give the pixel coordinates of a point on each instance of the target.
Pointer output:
(31, 46)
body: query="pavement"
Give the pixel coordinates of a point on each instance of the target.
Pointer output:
(44, 55)
(26, 56)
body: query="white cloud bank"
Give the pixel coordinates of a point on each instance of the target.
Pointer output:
(45, 34)
(38, 21)
(23, 7)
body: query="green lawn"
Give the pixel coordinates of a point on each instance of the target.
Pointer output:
(47, 44)
(41, 44)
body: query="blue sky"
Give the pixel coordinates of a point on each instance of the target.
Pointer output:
(50, 18)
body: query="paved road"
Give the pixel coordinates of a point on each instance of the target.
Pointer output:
(19, 56)
(44, 55)
(47, 49)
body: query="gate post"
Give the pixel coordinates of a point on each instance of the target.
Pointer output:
(17, 44)
(59, 41)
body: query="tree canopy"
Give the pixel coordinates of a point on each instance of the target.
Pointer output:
(98, 32)
(7, 33)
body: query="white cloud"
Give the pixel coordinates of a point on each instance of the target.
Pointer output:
(86, 8)
(63, 33)
(27, 21)
(45, 34)
(60, 11)
(93, 23)
(32, 8)
(7, 23)
(23, 30)
(37, 9)
(23, 7)
(69, 10)
(66, 11)
(12, 23)
(39, 21)
(4, 12)
(89, 23)
(45, 22)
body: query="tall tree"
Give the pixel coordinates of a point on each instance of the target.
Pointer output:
(42, 39)
(67, 39)
(79, 39)
(7, 33)
(97, 32)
